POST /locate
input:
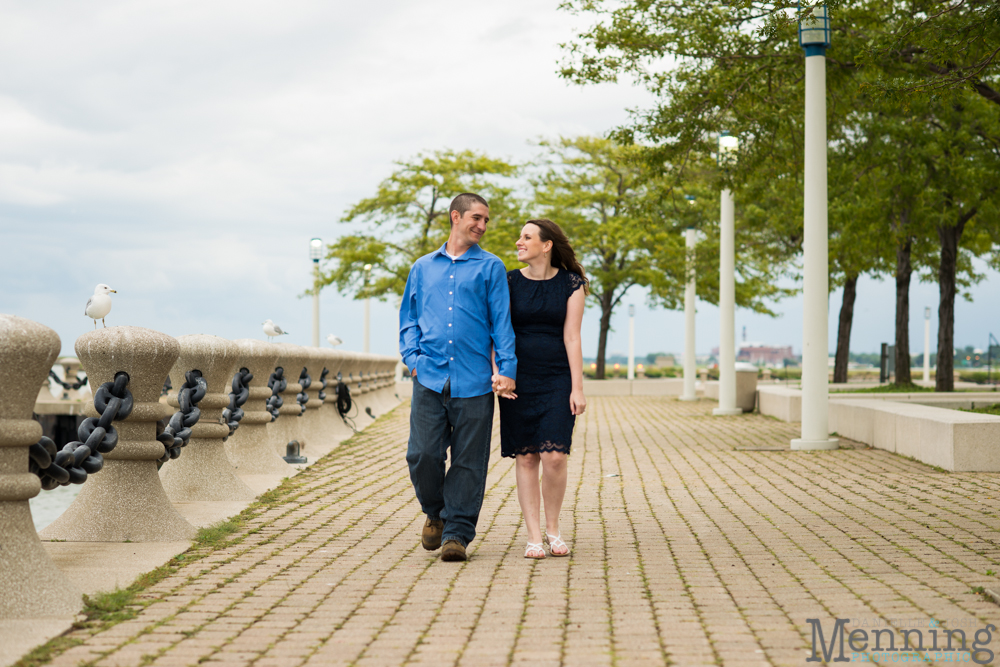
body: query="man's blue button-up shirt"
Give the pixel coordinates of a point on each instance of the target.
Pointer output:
(454, 312)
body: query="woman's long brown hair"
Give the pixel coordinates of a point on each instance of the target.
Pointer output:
(563, 256)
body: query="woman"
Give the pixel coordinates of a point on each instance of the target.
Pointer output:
(536, 425)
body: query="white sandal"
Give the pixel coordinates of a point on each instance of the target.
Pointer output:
(534, 547)
(556, 541)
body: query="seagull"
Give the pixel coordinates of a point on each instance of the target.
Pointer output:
(334, 340)
(99, 305)
(271, 330)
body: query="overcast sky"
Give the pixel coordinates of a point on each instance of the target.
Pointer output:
(185, 153)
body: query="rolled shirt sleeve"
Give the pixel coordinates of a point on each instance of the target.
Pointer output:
(409, 328)
(501, 331)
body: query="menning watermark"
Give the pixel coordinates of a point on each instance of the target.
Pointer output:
(866, 642)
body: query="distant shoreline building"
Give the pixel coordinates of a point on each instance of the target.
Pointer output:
(760, 354)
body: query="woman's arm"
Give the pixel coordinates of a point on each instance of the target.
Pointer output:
(574, 350)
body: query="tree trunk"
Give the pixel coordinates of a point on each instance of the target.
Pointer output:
(844, 331)
(602, 341)
(947, 269)
(904, 269)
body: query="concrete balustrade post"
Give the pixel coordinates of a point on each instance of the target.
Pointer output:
(203, 472)
(311, 421)
(288, 427)
(71, 370)
(31, 585)
(248, 448)
(125, 501)
(331, 423)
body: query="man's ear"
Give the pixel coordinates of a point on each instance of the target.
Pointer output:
(455, 217)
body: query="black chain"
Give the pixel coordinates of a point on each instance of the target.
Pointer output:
(323, 383)
(176, 429)
(71, 465)
(237, 398)
(69, 386)
(277, 384)
(302, 397)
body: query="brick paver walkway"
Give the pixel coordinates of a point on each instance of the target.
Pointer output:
(697, 541)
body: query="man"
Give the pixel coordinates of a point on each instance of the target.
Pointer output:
(455, 311)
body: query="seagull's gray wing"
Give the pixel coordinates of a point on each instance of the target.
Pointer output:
(278, 330)
(87, 307)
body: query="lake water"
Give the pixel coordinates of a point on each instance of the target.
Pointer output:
(48, 505)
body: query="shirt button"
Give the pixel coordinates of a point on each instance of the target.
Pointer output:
(449, 307)
(449, 292)
(449, 342)
(451, 276)
(449, 323)
(453, 358)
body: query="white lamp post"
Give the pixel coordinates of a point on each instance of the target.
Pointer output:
(368, 310)
(631, 341)
(315, 254)
(814, 36)
(728, 147)
(690, 368)
(927, 344)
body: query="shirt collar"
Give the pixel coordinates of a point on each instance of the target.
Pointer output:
(475, 252)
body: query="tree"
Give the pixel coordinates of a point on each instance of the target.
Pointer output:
(591, 188)
(408, 218)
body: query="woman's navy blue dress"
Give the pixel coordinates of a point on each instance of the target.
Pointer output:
(539, 419)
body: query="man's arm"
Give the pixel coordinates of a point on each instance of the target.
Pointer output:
(409, 330)
(501, 331)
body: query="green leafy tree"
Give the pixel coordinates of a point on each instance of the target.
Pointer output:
(591, 188)
(408, 217)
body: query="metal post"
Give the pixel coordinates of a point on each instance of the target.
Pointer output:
(727, 308)
(368, 311)
(631, 342)
(690, 368)
(815, 261)
(315, 336)
(927, 344)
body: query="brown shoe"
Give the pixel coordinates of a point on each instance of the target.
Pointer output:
(453, 551)
(430, 538)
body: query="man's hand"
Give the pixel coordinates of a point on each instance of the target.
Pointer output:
(504, 386)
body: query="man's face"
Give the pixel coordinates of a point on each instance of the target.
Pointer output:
(470, 227)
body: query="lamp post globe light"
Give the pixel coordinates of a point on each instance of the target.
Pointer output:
(690, 368)
(814, 37)
(315, 254)
(728, 147)
(368, 311)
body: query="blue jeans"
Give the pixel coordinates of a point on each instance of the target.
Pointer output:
(437, 422)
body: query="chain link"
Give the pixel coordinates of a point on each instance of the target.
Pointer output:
(277, 384)
(80, 458)
(176, 429)
(323, 383)
(302, 397)
(237, 398)
(68, 386)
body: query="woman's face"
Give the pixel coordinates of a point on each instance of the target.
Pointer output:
(530, 246)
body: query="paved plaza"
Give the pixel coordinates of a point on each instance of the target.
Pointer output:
(697, 540)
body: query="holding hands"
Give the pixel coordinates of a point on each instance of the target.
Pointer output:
(503, 386)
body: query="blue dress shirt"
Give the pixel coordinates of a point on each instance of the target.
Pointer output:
(453, 312)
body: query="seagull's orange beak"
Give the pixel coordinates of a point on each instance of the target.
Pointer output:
(114, 291)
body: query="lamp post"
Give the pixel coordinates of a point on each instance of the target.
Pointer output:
(368, 310)
(728, 146)
(631, 341)
(927, 344)
(315, 254)
(814, 36)
(690, 368)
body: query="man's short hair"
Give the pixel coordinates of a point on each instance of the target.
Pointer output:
(464, 202)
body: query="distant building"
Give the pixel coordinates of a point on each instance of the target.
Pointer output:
(759, 354)
(666, 360)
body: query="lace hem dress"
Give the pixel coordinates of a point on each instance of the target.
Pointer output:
(539, 419)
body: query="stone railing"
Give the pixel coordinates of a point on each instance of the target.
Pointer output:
(135, 493)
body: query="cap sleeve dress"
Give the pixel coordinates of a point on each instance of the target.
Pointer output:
(539, 419)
